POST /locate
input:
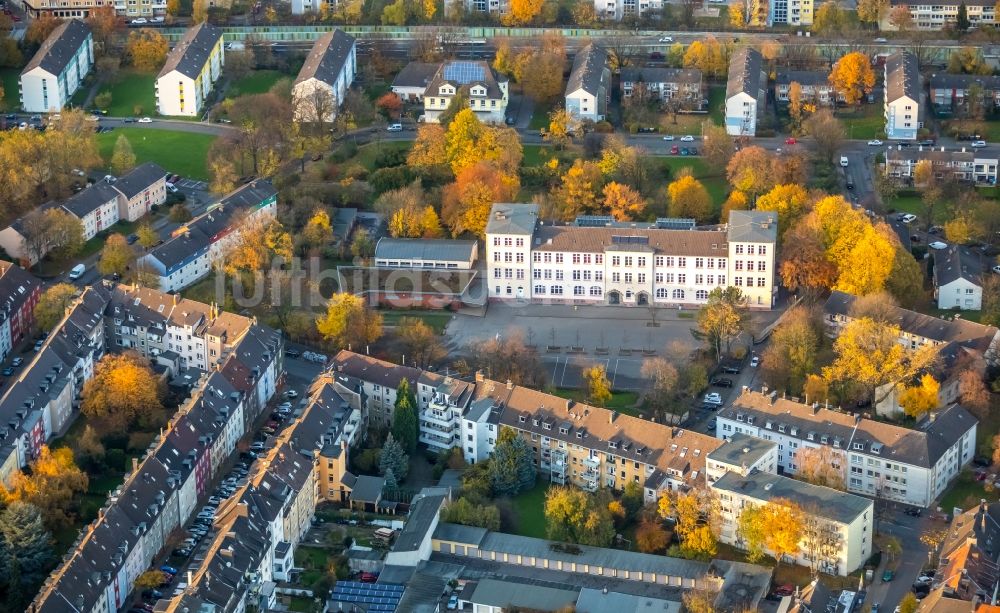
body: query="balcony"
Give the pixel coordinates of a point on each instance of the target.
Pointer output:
(440, 441)
(592, 463)
(443, 419)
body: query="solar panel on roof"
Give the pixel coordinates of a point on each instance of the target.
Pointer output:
(630, 240)
(675, 223)
(594, 221)
(464, 72)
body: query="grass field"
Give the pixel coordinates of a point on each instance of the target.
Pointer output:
(184, 153)
(714, 182)
(257, 82)
(367, 153)
(867, 122)
(964, 493)
(623, 402)
(540, 117)
(529, 508)
(437, 320)
(9, 79)
(135, 89)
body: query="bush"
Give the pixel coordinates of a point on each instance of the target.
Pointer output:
(115, 459)
(388, 158)
(103, 100)
(604, 127)
(343, 153)
(356, 171)
(385, 179)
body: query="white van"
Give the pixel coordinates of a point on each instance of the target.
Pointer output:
(843, 161)
(77, 272)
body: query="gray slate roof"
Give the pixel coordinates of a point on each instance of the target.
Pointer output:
(745, 68)
(956, 263)
(588, 70)
(422, 514)
(648, 74)
(963, 81)
(61, 45)
(191, 53)
(422, 249)
(368, 489)
(752, 227)
(327, 58)
(505, 595)
(91, 199)
(416, 74)
(902, 77)
(139, 179)
(599, 601)
(460, 69)
(802, 77)
(512, 218)
(962, 331)
(814, 499)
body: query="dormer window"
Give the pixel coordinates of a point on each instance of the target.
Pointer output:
(781, 428)
(794, 431)
(768, 425)
(825, 439)
(810, 436)
(579, 435)
(859, 446)
(535, 421)
(522, 418)
(547, 426)
(739, 417)
(612, 445)
(563, 431)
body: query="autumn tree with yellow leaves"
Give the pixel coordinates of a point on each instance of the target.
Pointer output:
(123, 392)
(578, 191)
(146, 49)
(466, 203)
(852, 77)
(687, 197)
(51, 305)
(789, 201)
(696, 514)
(52, 484)
(708, 55)
(522, 12)
(574, 516)
(922, 398)
(318, 230)
(349, 322)
(751, 170)
(622, 202)
(256, 247)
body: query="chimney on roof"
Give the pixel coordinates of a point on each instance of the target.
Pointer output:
(510, 384)
(175, 299)
(135, 465)
(480, 377)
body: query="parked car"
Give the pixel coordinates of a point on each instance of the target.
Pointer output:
(7, 371)
(139, 21)
(668, 137)
(394, 127)
(38, 344)
(666, 39)
(790, 140)
(168, 569)
(714, 398)
(656, 55)
(731, 369)
(367, 577)
(874, 143)
(913, 511)
(722, 382)
(674, 150)
(132, 239)
(937, 245)
(755, 361)
(906, 217)
(453, 602)
(687, 139)
(292, 353)
(16, 362)
(978, 144)
(145, 120)
(291, 394)
(888, 575)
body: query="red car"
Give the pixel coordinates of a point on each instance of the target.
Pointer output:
(368, 577)
(790, 140)
(674, 150)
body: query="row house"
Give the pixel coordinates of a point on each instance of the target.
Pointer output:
(910, 466)
(837, 535)
(790, 12)
(951, 92)
(599, 261)
(19, 293)
(976, 166)
(98, 207)
(968, 572)
(958, 278)
(378, 381)
(196, 246)
(815, 86)
(664, 84)
(616, 10)
(939, 15)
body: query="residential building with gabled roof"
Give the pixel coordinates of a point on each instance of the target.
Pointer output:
(487, 91)
(958, 278)
(588, 89)
(682, 85)
(411, 82)
(326, 75)
(912, 466)
(746, 92)
(19, 293)
(902, 96)
(58, 68)
(141, 188)
(189, 74)
(939, 16)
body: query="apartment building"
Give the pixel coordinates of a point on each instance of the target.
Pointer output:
(937, 16)
(326, 75)
(958, 278)
(680, 85)
(790, 12)
(902, 96)
(198, 244)
(746, 92)
(131, 9)
(596, 260)
(815, 86)
(954, 92)
(741, 454)
(837, 527)
(616, 10)
(159, 495)
(976, 166)
(487, 91)
(193, 66)
(58, 68)
(64, 9)
(19, 292)
(968, 573)
(916, 329)
(377, 380)
(877, 458)
(588, 89)
(98, 207)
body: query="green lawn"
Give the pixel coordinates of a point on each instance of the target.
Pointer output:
(135, 89)
(10, 80)
(257, 82)
(529, 508)
(367, 153)
(907, 204)
(714, 182)
(717, 104)
(867, 122)
(964, 492)
(540, 117)
(183, 153)
(437, 320)
(623, 402)
(97, 243)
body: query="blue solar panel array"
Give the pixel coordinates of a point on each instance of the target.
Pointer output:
(375, 597)
(464, 72)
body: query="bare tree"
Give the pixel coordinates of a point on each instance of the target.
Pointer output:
(622, 51)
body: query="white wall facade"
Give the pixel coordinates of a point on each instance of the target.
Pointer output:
(100, 219)
(902, 119)
(43, 92)
(583, 106)
(741, 115)
(488, 110)
(180, 95)
(961, 294)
